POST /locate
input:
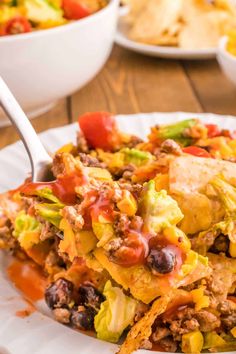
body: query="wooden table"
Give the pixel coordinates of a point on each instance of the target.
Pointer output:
(132, 83)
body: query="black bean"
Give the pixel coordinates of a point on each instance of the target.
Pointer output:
(161, 261)
(89, 296)
(59, 294)
(83, 320)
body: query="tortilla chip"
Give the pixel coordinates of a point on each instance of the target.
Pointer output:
(145, 286)
(198, 172)
(223, 276)
(205, 30)
(156, 19)
(143, 329)
(191, 24)
(197, 210)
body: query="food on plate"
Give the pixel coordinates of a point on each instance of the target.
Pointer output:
(192, 24)
(136, 239)
(231, 44)
(22, 16)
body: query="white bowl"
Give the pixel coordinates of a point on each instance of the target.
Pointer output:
(226, 60)
(44, 66)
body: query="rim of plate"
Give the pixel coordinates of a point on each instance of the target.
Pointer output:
(53, 138)
(159, 51)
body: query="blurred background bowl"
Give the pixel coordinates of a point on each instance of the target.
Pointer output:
(226, 60)
(44, 66)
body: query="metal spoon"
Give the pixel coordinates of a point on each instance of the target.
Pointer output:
(39, 159)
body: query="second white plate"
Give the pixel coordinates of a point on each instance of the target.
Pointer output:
(158, 51)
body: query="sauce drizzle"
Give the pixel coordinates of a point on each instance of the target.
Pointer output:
(28, 278)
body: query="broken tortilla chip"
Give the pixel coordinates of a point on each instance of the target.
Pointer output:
(158, 18)
(191, 24)
(143, 329)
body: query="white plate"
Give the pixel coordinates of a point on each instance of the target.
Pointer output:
(158, 51)
(38, 333)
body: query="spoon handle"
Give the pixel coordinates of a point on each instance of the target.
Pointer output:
(37, 154)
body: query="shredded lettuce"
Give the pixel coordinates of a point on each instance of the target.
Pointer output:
(176, 131)
(115, 315)
(49, 211)
(136, 157)
(158, 210)
(26, 230)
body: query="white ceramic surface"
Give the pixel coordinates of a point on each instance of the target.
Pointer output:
(44, 66)
(226, 60)
(158, 51)
(39, 333)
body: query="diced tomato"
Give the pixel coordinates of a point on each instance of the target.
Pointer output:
(196, 151)
(100, 130)
(213, 130)
(75, 9)
(16, 25)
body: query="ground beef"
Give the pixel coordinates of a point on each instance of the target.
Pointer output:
(7, 240)
(59, 294)
(121, 224)
(168, 344)
(169, 146)
(82, 144)
(229, 321)
(72, 215)
(57, 165)
(135, 188)
(208, 321)
(90, 161)
(146, 344)
(160, 333)
(53, 260)
(28, 203)
(125, 172)
(134, 141)
(136, 223)
(227, 311)
(47, 231)
(62, 315)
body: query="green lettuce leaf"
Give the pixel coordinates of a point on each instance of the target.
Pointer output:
(26, 230)
(158, 210)
(116, 314)
(177, 131)
(49, 211)
(136, 157)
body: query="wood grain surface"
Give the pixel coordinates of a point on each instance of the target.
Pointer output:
(132, 83)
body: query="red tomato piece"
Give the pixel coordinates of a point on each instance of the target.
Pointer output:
(16, 25)
(100, 130)
(196, 151)
(75, 9)
(213, 130)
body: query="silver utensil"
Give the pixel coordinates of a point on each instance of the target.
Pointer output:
(39, 159)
